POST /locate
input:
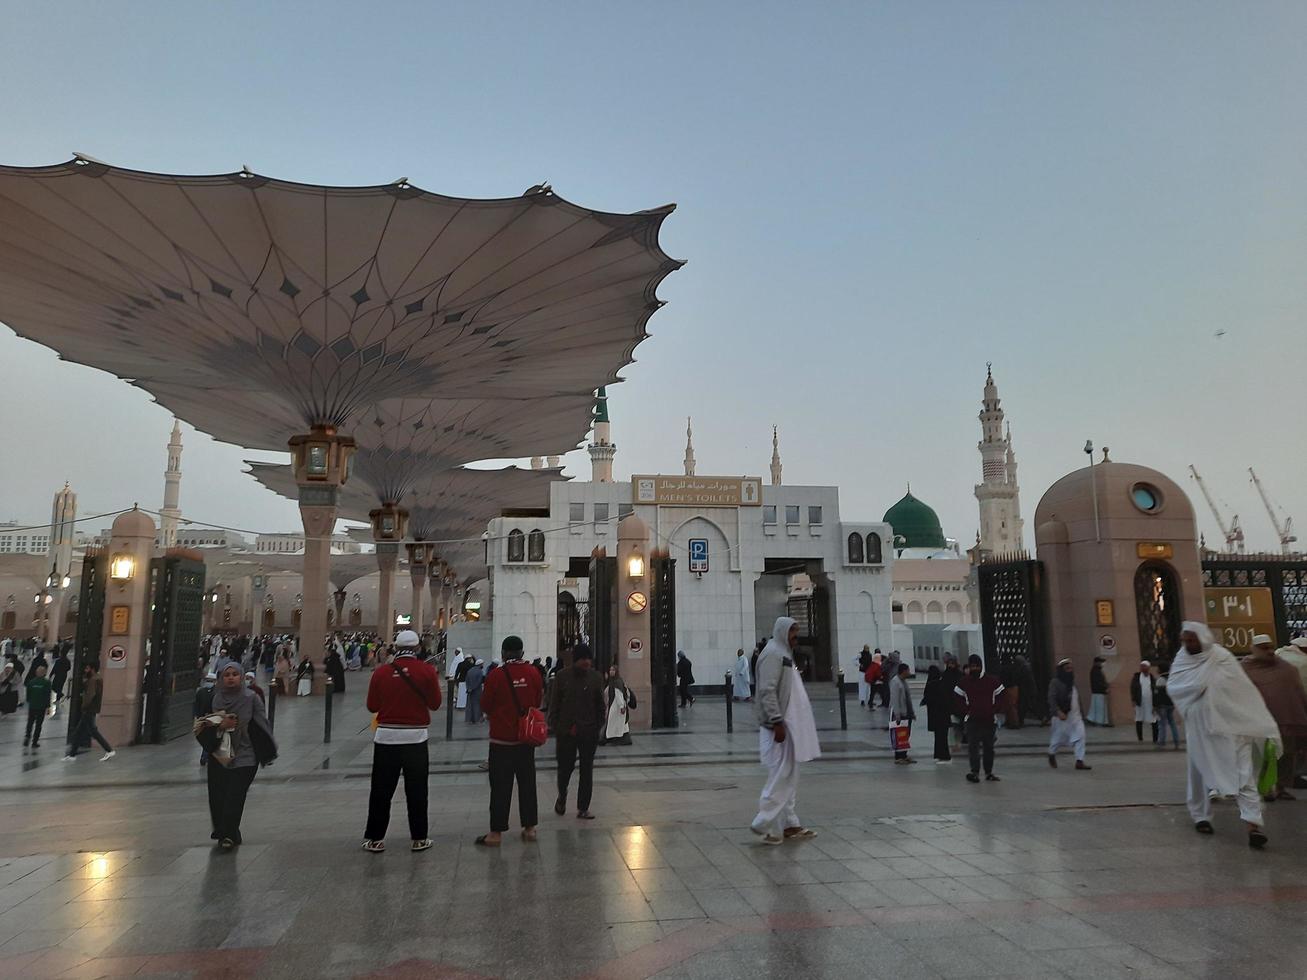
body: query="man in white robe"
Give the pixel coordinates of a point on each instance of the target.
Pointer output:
(787, 736)
(1227, 728)
(1068, 727)
(740, 689)
(460, 692)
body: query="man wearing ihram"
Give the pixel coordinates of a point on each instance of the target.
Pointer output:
(787, 736)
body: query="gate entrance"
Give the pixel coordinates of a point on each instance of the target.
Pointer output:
(90, 627)
(662, 642)
(1014, 616)
(1157, 606)
(172, 660)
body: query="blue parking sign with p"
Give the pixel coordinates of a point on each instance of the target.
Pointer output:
(698, 555)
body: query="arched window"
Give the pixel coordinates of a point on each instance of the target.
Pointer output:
(856, 556)
(516, 545)
(535, 548)
(873, 549)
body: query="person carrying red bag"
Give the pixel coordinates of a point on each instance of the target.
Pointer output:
(508, 693)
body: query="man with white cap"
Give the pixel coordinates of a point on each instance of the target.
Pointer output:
(1064, 707)
(787, 736)
(1282, 690)
(1142, 687)
(402, 694)
(1227, 728)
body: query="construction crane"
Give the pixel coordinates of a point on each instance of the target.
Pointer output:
(1285, 529)
(1232, 531)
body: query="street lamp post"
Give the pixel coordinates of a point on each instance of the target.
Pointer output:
(1093, 488)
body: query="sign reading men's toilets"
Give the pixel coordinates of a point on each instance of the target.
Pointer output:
(698, 491)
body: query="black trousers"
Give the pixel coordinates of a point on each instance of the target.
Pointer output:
(35, 719)
(509, 763)
(227, 791)
(1139, 731)
(86, 727)
(388, 761)
(568, 747)
(941, 744)
(980, 736)
(683, 687)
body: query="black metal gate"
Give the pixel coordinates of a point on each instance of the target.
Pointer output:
(812, 615)
(599, 617)
(172, 663)
(1284, 575)
(1014, 616)
(90, 628)
(662, 655)
(1157, 605)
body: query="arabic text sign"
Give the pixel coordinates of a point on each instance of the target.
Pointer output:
(1236, 615)
(698, 491)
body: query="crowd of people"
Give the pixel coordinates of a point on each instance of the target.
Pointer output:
(1245, 721)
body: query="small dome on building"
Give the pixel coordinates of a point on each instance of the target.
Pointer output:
(916, 525)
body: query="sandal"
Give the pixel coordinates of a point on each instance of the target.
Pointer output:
(422, 845)
(772, 840)
(482, 842)
(374, 846)
(800, 833)
(529, 835)
(585, 815)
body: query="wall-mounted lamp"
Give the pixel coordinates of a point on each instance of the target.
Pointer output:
(635, 565)
(122, 568)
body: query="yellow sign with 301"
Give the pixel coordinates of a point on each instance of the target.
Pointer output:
(1236, 615)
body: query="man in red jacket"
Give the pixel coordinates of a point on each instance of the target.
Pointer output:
(402, 694)
(977, 701)
(510, 758)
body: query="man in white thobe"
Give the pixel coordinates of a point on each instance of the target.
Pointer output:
(1068, 726)
(460, 692)
(787, 736)
(1227, 728)
(740, 689)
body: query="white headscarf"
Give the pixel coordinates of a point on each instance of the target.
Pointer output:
(1212, 691)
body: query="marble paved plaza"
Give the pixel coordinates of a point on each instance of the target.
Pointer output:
(107, 870)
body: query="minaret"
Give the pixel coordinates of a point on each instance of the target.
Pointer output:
(775, 457)
(537, 463)
(689, 448)
(63, 525)
(171, 513)
(602, 449)
(553, 462)
(998, 493)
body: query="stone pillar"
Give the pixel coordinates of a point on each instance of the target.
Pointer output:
(417, 573)
(126, 625)
(318, 511)
(339, 597)
(54, 613)
(258, 596)
(387, 562)
(634, 650)
(433, 586)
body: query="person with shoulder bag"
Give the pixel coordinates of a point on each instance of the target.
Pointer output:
(234, 730)
(402, 694)
(511, 701)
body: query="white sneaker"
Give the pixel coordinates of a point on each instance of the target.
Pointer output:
(108, 755)
(70, 758)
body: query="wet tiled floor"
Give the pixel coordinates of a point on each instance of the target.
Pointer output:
(106, 869)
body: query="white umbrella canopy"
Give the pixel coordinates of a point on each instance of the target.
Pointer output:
(256, 308)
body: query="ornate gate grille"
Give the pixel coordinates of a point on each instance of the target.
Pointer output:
(662, 665)
(172, 666)
(90, 627)
(1014, 618)
(1157, 606)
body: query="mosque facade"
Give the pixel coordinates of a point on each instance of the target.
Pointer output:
(746, 552)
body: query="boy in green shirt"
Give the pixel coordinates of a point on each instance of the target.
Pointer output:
(38, 702)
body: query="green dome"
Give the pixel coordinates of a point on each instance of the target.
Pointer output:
(915, 524)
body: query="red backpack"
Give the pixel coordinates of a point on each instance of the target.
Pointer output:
(532, 726)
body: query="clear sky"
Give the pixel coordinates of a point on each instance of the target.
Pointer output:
(874, 199)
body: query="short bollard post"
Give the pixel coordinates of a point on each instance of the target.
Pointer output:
(272, 705)
(326, 717)
(449, 713)
(844, 714)
(730, 718)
